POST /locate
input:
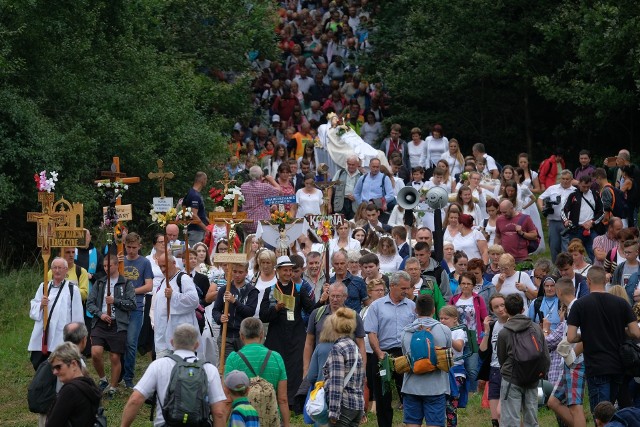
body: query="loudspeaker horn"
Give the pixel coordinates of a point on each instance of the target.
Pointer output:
(408, 197)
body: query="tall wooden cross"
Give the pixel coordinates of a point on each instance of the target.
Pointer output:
(60, 225)
(115, 175)
(161, 176)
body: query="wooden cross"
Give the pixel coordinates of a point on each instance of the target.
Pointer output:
(161, 176)
(115, 175)
(226, 182)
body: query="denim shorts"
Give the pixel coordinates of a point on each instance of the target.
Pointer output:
(431, 409)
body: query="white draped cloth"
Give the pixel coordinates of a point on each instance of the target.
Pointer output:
(337, 148)
(271, 235)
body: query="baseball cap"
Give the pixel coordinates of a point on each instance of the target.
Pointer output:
(236, 381)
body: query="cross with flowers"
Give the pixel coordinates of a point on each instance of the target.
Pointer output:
(113, 188)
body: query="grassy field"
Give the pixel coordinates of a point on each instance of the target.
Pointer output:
(16, 290)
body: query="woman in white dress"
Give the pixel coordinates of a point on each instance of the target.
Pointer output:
(454, 157)
(265, 275)
(470, 240)
(530, 177)
(388, 255)
(343, 240)
(436, 145)
(447, 180)
(469, 206)
(308, 198)
(579, 253)
(416, 147)
(371, 130)
(450, 224)
(488, 226)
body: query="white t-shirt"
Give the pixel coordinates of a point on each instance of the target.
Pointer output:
(497, 327)
(415, 152)
(308, 203)
(468, 243)
(156, 379)
(261, 286)
(459, 334)
(509, 285)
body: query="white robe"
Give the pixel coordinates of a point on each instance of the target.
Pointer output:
(183, 306)
(63, 313)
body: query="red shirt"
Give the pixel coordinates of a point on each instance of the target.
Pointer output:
(510, 240)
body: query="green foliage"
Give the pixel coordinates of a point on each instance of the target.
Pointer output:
(83, 81)
(516, 75)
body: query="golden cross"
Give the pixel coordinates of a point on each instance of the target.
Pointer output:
(225, 182)
(161, 176)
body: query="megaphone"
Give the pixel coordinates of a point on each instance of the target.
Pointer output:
(408, 197)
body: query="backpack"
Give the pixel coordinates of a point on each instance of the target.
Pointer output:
(42, 390)
(262, 395)
(187, 401)
(423, 352)
(618, 201)
(530, 361)
(200, 313)
(630, 356)
(532, 245)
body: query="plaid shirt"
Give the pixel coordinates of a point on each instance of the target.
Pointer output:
(557, 362)
(351, 395)
(254, 193)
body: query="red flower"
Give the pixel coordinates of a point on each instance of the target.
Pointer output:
(325, 238)
(216, 194)
(36, 178)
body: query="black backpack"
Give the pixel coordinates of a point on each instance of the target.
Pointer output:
(187, 401)
(630, 356)
(42, 390)
(530, 356)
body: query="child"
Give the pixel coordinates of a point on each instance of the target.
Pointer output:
(417, 177)
(236, 384)
(301, 284)
(449, 317)
(233, 166)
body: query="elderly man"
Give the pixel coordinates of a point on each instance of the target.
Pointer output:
(314, 274)
(385, 321)
(182, 298)
(253, 355)
(63, 305)
(356, 288)
(255, 191)
(155, 380)
(374, 186)
(556, 193)
(342, 197)
(110, 302)
(198, 227)
(337, 297)
(514, 230)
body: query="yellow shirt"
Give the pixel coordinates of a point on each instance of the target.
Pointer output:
(82, 283)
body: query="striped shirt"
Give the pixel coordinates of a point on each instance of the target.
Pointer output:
(340, 361)
(243, 414)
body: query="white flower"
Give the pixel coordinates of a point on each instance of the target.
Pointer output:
(54, 176)
(126, 187)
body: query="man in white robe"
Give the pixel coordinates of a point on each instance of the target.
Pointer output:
(63, 305)
(183, 304)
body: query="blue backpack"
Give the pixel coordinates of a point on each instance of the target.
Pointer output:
(423, 352)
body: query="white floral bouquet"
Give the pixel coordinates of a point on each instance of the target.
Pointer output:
(228, 199)
(118, 188)
(46, 184)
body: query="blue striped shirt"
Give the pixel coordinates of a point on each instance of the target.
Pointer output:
(243, 414)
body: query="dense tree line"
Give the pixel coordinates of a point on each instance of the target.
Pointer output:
(514, 74)
(82, 81)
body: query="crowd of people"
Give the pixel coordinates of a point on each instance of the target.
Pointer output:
(293, 322)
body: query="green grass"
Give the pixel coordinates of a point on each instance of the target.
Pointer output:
(16, 290)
